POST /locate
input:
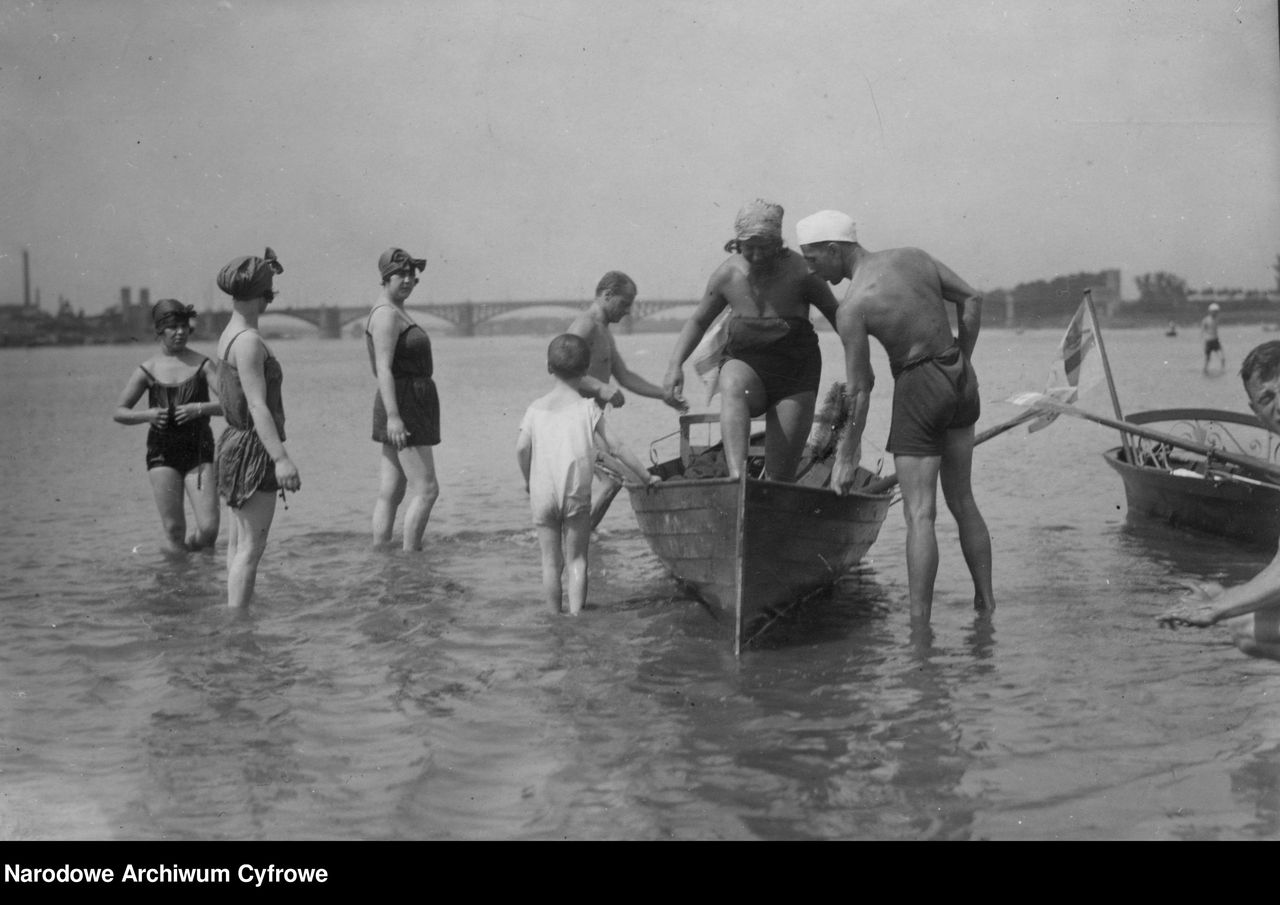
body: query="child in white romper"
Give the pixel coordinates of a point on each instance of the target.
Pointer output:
(556, 450)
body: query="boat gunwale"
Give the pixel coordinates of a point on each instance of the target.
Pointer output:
(1154, 416)
(1122, 466)
(679, 482)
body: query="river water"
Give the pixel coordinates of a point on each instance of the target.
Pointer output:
(380, 695)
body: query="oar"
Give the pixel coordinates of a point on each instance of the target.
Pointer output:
(1038, 401)
(880, 485)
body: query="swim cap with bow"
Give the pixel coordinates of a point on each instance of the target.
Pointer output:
(394, 260)
(170, 313)
(250, 277)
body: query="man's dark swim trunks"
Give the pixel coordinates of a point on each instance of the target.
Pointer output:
(932, 395)
(783, 351)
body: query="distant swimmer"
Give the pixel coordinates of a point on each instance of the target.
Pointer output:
(1209, 332)
(900, 297)
(771, 364)
(1253, 608)
(180, 448)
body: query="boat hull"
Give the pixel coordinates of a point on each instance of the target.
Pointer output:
(750, 549)
(1248, 512)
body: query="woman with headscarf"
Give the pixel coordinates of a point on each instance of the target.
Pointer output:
(769, 363)
(253, 464)
(180, 440)
(406, 407)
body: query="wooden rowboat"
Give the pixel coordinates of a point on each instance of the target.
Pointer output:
(751, 548)
(1191, 485)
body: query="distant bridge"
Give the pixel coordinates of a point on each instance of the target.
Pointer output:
(465, 316)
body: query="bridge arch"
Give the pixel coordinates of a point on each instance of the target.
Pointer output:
(334, 321)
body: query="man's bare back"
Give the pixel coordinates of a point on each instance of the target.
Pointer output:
(899, 294)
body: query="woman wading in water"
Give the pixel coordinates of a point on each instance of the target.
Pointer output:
(253, 465)
(406, 407)
(180, 441)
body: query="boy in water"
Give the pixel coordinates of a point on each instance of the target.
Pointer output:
(556, 449)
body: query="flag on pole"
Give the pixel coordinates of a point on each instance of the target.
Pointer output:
(1074, 371)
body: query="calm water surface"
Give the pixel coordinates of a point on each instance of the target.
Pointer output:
(377, 695)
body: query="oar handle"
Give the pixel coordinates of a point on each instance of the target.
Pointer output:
(1246, 463)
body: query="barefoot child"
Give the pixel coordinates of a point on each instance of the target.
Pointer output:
(556, 449)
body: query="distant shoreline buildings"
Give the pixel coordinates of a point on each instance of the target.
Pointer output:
(1164, 298)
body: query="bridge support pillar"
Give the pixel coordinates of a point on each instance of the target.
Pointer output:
(467, 319)
(330, 323)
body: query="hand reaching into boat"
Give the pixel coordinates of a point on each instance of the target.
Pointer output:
(673, 389)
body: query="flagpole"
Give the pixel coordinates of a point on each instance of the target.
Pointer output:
(1106, 371)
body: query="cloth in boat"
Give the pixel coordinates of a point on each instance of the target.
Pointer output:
(783, 352)
(182, 447)
(931, 395)
(563, 459)
(244, 465)
(416, 396)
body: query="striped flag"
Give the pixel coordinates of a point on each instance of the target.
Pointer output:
(1074, 372)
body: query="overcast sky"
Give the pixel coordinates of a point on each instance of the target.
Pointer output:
(525, 148)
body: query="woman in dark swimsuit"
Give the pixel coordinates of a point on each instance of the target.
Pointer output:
(253, 464)
(406, 408)
(180, 441)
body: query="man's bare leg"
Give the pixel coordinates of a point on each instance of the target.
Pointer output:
(918, 478)
(957, 490)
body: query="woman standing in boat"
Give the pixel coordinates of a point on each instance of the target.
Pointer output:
(180, 441)
(406, 406)
(253, 464)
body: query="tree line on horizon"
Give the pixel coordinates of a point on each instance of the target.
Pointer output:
(1162, 296)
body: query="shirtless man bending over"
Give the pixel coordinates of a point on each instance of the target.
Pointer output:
(899, 296)
(771, 364)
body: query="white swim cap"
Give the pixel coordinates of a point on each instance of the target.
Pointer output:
(826, 226)
(1213, 306)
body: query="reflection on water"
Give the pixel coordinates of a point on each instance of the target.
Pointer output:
(378, 695)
